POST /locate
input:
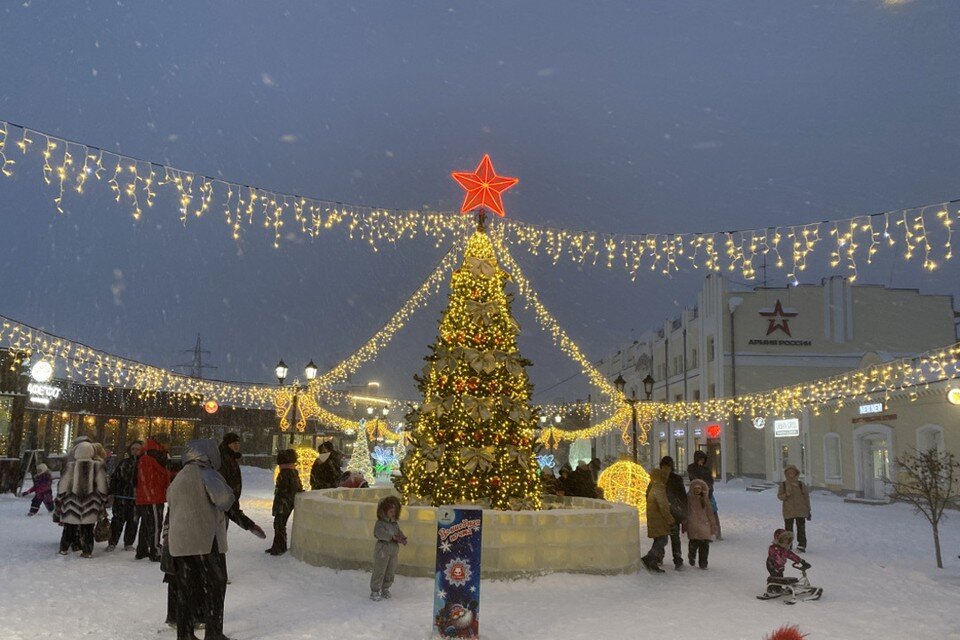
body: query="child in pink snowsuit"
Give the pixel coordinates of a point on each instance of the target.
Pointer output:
(779, 552)
(42, 490)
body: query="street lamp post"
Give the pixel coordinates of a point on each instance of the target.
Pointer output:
(310, 371)
(620, 383)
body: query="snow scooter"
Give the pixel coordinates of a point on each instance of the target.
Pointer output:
(799, 589)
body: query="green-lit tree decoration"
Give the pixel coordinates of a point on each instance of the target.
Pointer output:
(472, 436)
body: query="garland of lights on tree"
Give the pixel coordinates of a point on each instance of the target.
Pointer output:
(472, 435)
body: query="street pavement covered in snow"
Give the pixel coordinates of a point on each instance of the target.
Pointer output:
(876, 565)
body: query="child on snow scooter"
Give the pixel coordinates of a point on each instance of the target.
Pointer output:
(780, 551)
(797, 588)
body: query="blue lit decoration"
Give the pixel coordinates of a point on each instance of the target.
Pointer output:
(547, 460)
(385, 458)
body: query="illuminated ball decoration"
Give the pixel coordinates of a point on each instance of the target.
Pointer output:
(953, 396)
(211, 406)
(713, 431)
(626, 482)
(306, 456)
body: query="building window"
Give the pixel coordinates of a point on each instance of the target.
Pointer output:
(694, 363)
(696, 395)
(712, 391)
(930, 438)
(678, 397)
(6, 408)
(832, 473)
(710, 349)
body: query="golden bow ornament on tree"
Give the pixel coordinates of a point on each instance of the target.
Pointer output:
(477, 457)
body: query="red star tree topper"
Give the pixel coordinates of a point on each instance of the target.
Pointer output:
(483, 187)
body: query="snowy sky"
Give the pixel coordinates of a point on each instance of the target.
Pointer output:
(618, 116)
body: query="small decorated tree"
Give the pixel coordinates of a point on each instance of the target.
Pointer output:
(360, 460)
(472, 436)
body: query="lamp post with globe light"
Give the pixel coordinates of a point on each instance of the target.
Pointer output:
(620, 384)
(281, 370)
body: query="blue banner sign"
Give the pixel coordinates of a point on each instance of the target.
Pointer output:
(456, 596)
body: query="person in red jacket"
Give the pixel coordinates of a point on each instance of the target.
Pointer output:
(153, 478)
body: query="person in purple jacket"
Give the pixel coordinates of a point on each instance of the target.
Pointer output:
(42, 490)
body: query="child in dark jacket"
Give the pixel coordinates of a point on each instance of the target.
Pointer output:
(42, 490)
(284, 495)
(389, 538)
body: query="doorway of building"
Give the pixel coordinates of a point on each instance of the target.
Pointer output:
(712, 449)
(875, 466)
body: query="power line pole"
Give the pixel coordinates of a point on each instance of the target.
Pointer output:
(196, 367)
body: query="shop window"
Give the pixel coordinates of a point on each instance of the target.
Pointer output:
(6, 405)
(138, 429)
(831, 459)
(88, 427)
(182, 433)
(111, 434)
(59, 434)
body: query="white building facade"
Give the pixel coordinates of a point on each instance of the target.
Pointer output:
(739, 340)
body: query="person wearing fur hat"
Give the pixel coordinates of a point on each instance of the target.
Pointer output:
(196, 538)
(325, 472)
(701, 526)
(779, 552)
(659, 520)
(699, 469)
(795, 497)
(81, 498)
(389, 538)
(284, 496)
(42, 490)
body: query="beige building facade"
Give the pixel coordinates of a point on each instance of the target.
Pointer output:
(739, 340)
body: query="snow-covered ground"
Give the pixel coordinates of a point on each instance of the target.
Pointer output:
(875, 563)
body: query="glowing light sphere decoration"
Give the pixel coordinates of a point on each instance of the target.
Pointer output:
(626, 482)
(306, 456)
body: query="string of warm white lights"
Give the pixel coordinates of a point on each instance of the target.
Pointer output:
(382, 338)
(95, 367)
(861, 385)
(621, 412)
(68, 166)
(924, 232)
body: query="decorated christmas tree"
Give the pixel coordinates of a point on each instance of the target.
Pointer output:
(360, 460)
(472, 435)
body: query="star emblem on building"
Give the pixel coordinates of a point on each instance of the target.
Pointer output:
(778, 318)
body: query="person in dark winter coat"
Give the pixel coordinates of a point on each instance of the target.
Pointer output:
(284, 496)
(196, 538)
(230, 457)
(81, 499)
(549, 485)
(564, 482)
(325, 472)
(123, 487)
(677, 497)
(42, 490)
(389, 538)
(700, 470)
